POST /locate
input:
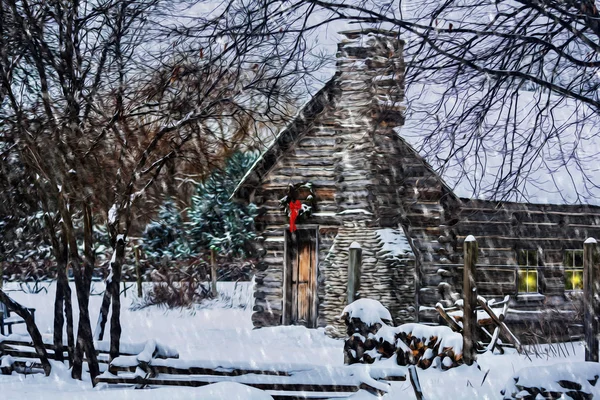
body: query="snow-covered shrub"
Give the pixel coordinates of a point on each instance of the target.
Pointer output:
(372, 338)
(169, 291)
(576, 380)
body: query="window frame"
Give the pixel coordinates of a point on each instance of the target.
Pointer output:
(529, 267)
(572, 267)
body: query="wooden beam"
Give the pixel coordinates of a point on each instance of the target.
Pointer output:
(449, 320)
(166, 369)
(32, 329)
(354, 267)
(500, 323)
(414, 381)
(591, 291)
(198, 382)
(469, 301)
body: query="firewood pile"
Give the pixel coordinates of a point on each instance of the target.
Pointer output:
(372, 338)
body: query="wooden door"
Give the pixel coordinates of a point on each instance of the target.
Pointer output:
(301, 270)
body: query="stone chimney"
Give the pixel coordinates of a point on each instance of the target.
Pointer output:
(369, 105)
(370, 70)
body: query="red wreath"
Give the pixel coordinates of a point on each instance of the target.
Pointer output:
(295, 207)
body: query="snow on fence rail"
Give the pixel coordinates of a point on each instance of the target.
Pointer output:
(16, 351)
(279, 380)
(564, 380)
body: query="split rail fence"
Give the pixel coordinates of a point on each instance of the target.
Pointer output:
(280, 381)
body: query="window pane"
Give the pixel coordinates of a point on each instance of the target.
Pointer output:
(578, 258)
(568, 258)
(578, 279)
(574, 279)
(568, 279)
(532, 281)
(528, 281)
(521, 257)
(522, 281)
(532, 258)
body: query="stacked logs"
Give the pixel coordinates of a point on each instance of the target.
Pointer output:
(410, 344)
(424, 346)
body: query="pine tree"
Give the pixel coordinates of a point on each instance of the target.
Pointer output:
(215, 220)
(165, 237)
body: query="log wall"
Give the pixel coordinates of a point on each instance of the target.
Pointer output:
(502, 229)
(347, 143)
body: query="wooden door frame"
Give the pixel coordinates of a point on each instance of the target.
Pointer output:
(287, 276)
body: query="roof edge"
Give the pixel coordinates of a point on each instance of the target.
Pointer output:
(267, 159)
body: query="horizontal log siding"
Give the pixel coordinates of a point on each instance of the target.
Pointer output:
(503, 228)
(307, 160)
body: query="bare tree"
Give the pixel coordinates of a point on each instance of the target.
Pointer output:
(503, 92)
(101, 96)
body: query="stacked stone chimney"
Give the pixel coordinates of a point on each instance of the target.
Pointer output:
(370, 77)
(371, 71)
(368, 106)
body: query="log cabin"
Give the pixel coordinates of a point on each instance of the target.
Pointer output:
(345, 175)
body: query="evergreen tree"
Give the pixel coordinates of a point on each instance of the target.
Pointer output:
(215, 220)
(165, 237)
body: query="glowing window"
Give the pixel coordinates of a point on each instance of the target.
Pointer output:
(573, 269)
(528, 261)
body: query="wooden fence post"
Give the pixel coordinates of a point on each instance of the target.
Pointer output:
(138, 271)
(414, 380)
(354, 266)
(34, 333)
(213, 271)
(469, 300)
(591, 291)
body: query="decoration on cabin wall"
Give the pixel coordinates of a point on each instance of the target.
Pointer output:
(295, 208)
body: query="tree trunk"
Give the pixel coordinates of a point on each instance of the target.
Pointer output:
(63, 283)
(104, 308)
(69, 315)
(59, 320)
(85, 339)
(32, 329)
(61, 255)
(115, 317)
(138, 272)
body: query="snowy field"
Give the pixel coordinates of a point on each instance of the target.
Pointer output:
(221, 330)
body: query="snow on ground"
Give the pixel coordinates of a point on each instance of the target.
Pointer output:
(218, 331)
(222, 331)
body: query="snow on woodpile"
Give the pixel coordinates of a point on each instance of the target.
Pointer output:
(575, 380)
(363, 318)
(394, 241)
(369, 311)
(423, 345)
(371, 339)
